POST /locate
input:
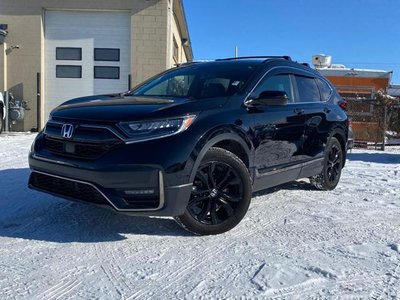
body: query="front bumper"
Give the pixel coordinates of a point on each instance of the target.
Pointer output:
(131, 189)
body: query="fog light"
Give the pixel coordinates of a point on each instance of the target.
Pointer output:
(140, 192)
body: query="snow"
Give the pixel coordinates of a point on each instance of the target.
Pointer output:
(294, 243)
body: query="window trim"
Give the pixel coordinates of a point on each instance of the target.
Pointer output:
(280, 67)
(76, 66)
(119, 54)
(71, 59)
(108, 67)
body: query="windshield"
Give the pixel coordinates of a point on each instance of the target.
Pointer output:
(199, 81)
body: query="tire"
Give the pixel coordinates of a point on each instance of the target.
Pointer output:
(329, 178)
(221, 194)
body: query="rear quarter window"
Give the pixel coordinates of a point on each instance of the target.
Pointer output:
(324, 89)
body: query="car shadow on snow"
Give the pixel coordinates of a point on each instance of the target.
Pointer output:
(32, 215)
(382, 158)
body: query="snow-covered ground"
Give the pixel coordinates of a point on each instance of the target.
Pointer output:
(294, 243)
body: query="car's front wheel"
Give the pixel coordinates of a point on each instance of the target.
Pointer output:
(221, 194)
(328, 179)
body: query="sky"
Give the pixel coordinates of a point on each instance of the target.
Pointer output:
(357, 33)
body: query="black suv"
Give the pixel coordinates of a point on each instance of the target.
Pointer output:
(195, 141)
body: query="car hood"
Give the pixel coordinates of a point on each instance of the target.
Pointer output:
(117, 108)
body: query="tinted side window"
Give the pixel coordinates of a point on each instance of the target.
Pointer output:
(275, 83)
(324, 89)
(308, 89)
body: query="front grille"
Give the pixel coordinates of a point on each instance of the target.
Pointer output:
(68, 188)
(77, 149)
(86, 143)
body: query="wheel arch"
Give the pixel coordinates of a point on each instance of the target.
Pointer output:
(229, 141)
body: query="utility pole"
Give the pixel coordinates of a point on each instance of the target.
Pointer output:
(236, 51)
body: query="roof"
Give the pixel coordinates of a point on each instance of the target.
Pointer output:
(351, 72)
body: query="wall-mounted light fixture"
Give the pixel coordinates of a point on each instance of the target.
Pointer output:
(11, 48)
(185, 42)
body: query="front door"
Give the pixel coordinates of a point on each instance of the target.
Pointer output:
(278, 130)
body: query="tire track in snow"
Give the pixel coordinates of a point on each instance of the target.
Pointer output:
(113, 271)
(303, 290)
(389, 282)
(179, 274)
(59, 290)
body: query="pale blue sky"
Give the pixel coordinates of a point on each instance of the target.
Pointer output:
(357, 33)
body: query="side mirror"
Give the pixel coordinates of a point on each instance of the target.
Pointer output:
(269, 98)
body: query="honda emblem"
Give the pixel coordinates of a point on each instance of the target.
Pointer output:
(67, 130)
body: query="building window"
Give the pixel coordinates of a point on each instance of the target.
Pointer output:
(68, 53)
(106, 54)
(106, 72)
(176, 51)
(63, 71)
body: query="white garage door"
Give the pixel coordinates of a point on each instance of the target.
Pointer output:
(86, 53)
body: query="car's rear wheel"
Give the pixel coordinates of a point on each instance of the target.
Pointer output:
(328, 179)
(221, 194)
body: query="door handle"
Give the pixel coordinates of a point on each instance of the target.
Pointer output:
(299, 111)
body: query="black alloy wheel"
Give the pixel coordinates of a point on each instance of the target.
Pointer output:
(334, 163)
(220, 196)
(217, 190)
(328, 179)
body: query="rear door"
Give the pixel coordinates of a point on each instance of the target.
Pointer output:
(309, 100)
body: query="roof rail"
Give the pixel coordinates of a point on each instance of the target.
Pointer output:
(250, 57)
(189, 63)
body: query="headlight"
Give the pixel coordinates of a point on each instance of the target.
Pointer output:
(144, 130)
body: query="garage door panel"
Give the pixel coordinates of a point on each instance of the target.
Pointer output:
(85, 30)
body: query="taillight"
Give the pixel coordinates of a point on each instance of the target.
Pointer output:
(342, 104)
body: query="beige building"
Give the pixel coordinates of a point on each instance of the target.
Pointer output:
(61, 49)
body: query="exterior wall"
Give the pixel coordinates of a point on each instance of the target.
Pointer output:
(177, 36)
(359, 84)
(149, 43)
(23, 63)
